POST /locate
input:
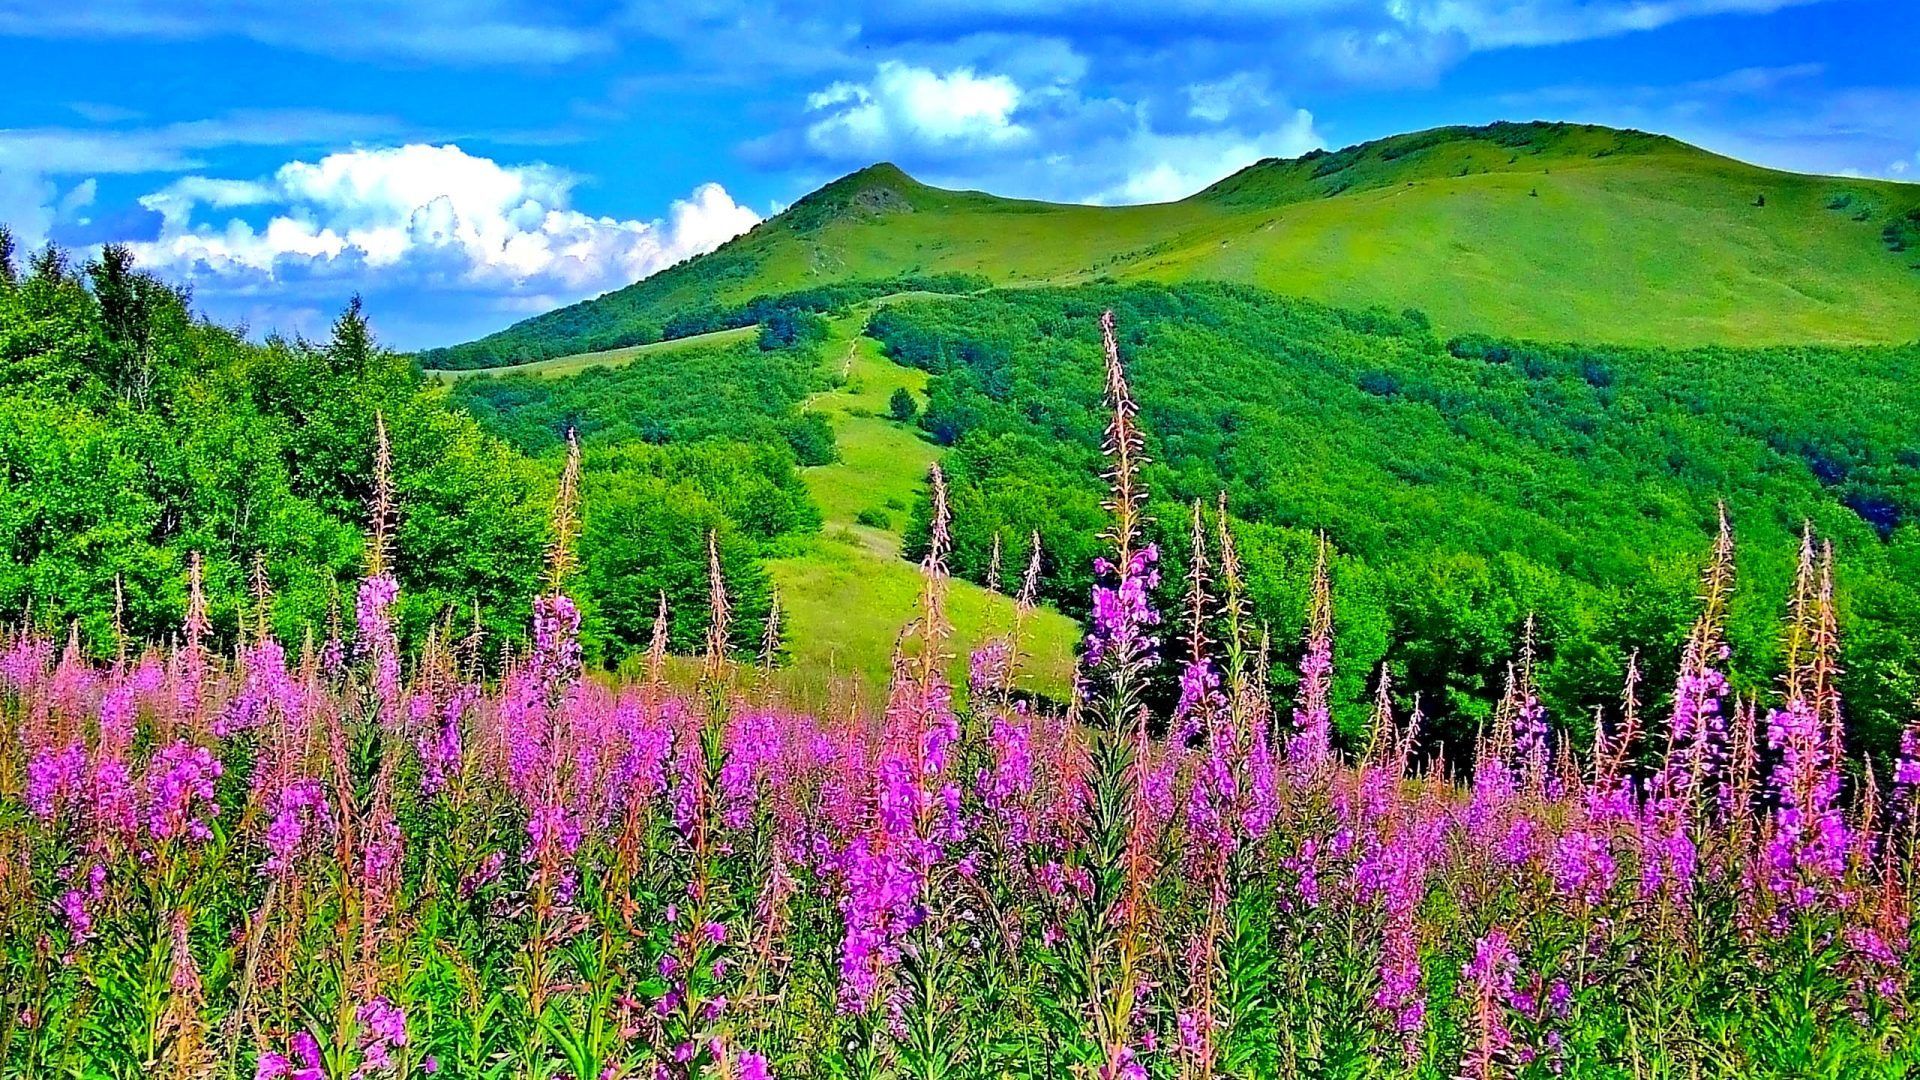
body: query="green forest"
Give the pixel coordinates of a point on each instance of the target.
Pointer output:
(1464, 484)
(135, 437)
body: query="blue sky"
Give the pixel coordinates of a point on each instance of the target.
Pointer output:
(464, 163)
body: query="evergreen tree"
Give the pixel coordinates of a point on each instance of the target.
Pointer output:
(49, 265)
(8, 275)
(902, 406)
(352, 345)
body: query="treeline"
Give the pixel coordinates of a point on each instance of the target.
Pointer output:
(633, 316)
(740, 392)
(784, 309)
(1463, 486)
(649, 511)
(135, 437)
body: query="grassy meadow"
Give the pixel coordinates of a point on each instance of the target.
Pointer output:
(848, 591)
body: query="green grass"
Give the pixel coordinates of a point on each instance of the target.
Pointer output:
(846, 606)
(1547, 231)
(883, 464)
(576, 363)
(848, 593)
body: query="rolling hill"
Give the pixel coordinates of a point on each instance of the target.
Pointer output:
(1335, 341)
(1537, 230)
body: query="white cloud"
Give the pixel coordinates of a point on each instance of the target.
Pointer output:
(32, 204)
(77, 199)
(905, 107)
(423, 218)
(1049, 140)
(1214, 102)
(1753, 81)
(33, 159)
(26, 206)
(102, 113)
(1175, 166)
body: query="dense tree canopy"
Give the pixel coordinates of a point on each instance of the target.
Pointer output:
(1464, 485)
(134, 437)
(740, 392)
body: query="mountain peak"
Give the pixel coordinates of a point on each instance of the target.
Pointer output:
(877, 190)
(880, 172)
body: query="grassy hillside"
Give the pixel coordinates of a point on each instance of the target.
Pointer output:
(735, 433)
(1546, 231)
(848, 591)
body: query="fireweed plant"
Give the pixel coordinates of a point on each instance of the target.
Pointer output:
(335, 860)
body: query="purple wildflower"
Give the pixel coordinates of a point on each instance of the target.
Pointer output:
(383, 1029)
(179, 792)
(1489, 978)
(1123, 611)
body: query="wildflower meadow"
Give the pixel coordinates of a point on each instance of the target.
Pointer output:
(353, 858)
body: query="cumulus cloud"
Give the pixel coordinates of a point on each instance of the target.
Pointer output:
(908, 107)
(970, 127)
(36, 162)
(26, 205)
(420, 217)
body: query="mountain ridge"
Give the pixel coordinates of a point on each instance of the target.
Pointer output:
(1624, 236)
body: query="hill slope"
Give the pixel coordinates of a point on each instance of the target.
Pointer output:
(1465, 485)
(1536, 230)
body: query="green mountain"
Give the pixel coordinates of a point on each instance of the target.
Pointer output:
(1338, 343)
(1538, 230)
